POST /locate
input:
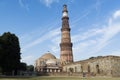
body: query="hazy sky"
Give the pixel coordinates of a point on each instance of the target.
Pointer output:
(95, 26)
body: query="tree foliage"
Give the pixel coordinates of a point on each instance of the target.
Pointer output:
(23, 66)
(30, 68)
(9, 53)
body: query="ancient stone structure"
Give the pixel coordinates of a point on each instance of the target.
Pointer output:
(47, 63)
(94, 66)
(66, 55)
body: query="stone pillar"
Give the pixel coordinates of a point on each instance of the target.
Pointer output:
(47, 70)
(50, 70)
(58, 70)
(55, 70)
(41, 70)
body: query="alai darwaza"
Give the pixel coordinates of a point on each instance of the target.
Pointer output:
(48, 63)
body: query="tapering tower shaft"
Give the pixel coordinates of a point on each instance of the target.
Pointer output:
(66, 55)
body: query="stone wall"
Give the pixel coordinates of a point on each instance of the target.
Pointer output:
(100, 66)
(115, 66)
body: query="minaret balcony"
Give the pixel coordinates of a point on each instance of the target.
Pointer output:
(66, 44)
(65, 29)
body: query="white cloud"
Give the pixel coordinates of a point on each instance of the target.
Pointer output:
(55, 47)
(117, 53)
(110, 32)
(116, 14)
(115, 17)
(48, 2)
(46, 36)
(88, 34)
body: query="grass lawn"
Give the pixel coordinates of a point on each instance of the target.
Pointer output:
(60, 78)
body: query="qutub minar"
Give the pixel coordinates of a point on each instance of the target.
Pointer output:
(48, 64)
(66, 55)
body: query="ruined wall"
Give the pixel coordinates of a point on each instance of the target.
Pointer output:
(115, 66)
(101, 66)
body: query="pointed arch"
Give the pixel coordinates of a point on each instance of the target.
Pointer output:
(97, 69)
(89, 69)
(81, 68)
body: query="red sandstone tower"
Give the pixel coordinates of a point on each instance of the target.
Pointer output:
(66, 55)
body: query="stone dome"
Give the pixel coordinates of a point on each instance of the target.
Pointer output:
(51, 61)
(48, 56)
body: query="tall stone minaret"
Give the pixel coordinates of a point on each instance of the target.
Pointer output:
(66, 55)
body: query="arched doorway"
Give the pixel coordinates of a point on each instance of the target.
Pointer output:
(81, 68)
(75, 68)
(97, 69)
(88, 68)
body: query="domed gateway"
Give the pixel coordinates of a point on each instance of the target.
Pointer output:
(48, 63)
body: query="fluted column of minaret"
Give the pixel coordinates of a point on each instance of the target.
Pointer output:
(66, 55)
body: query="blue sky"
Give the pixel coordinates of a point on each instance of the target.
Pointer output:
(95, 26)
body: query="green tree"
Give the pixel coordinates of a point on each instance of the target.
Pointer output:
(23, 66)
(30, 68)
(9, 53)
(1, 54)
